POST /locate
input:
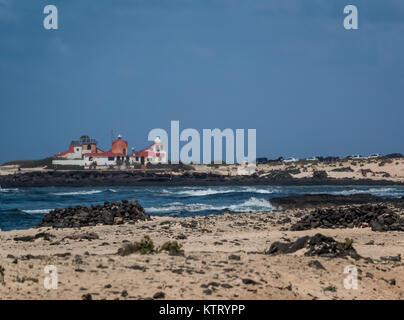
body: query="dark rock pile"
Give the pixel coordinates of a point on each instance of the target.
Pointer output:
(293, 170)
(44, 235)
(108, 214)
(343, 169)
(320, 175)
(279, 175)
(316, 200)
(317, 245)
(379, 217)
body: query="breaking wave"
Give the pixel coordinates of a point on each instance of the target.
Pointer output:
(77, 193)
(182, 207)
(37, 211)
(374, 191)
(211, 191)
(203, 192)
(8, 189)
(252, 204)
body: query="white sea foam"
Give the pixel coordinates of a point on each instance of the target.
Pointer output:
(374, 191)
(195, 192)
(8, 189)
(199, 192)
(261, 191)
(182, 207)
(204, 192)
(37, 211)
(77, 193)
(252, 204)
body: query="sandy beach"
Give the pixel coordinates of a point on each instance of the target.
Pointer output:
(224, 258)
(305, 169)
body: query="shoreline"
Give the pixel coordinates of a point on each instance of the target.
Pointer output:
(127, 178)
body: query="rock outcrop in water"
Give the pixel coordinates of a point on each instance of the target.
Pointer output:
(107, 214)
(323, 200)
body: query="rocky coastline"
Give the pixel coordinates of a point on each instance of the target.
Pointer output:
(153, 178)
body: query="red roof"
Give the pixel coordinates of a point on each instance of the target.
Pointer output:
(105, 154)
(61, 154)
(144, 152)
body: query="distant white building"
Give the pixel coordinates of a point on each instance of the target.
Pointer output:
(153, 154)
(290, 160)
(84, 152)
(355, 157)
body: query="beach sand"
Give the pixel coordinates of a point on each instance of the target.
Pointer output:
(393, 167)
(223, 259)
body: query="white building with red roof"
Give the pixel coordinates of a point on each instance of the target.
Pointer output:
(153, 154)
(85, 152)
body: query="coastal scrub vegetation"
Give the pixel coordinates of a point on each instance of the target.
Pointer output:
(30, 163)
(172, 247)
(64, 167)
(347, 246)
(146, 246)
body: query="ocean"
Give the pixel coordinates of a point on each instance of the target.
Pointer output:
(22, 208)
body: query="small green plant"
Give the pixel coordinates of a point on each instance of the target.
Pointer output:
(347, 245)
(330, 288)
(144, 246)
(172, 247)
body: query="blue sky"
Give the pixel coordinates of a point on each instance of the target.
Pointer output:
(285, 68)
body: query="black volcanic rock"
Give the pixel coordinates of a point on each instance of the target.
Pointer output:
(108, 214)
(320, 175)
(316, 200)
(393, 155)
(317, 245)
(151, 177)
(344, 169)
(279, 175)
(288, 247)
(378, 217)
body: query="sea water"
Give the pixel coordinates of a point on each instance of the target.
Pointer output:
(22, 208)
